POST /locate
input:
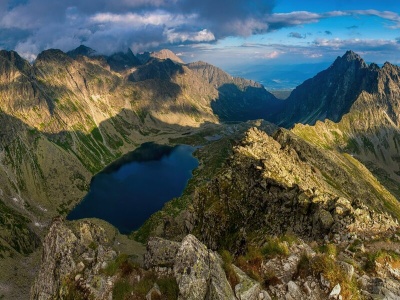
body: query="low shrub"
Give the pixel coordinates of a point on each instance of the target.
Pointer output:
(275, 247)
(227, 266)
(121, 289)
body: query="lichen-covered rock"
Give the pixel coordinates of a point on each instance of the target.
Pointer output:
(58, 247)
(74, 258)
(347, 269)
(160, 253)
(199, 273)
(247, 288)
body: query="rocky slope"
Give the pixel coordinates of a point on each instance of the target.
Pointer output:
(281, 219)
(271, 214)
(370, 128)
(331, 93)
(238, 99)
(67, 115)
(162, 54)
(303, 222)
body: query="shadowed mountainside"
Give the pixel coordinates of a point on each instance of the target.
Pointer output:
(67, 116)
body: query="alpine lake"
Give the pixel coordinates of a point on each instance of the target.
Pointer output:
(137, 185)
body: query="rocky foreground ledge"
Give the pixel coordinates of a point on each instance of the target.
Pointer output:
(79, 263)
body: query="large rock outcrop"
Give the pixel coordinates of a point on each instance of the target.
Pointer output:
(198, 272)
(283, 183)
(73, 260)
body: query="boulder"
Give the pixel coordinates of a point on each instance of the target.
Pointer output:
(247, 288)
(335, 293)
(294, 290)
(199, 274)
(347, 269)
(160, 253)
(325, 219)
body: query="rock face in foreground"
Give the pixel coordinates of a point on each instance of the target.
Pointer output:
(199, 273)
(73, 258)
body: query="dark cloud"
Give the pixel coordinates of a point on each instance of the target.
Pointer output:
(139, 24)
(352, 27)
(327, 32)
(9, 38)
(30, 26)
(297, 35)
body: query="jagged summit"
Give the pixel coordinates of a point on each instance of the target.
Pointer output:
(82, 50)
(351, 55)
(123, 60)
(329, 94)
(166, 53)
(52, 55)
(348, 59)
(13, 58)
(162, 54)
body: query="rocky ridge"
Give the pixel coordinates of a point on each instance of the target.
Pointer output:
(369, 130)
(79, 261)
(329, 94)
(288, 212)
(283, 183)
(68, 115)
(291, 216)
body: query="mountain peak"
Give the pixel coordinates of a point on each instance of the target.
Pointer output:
(350, 58)
(81, 50)
(166, 53)
(329, 94)
(351, 55)
(14, 59)
(121, 61)
(52, 54)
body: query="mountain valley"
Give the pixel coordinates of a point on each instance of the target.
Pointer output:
(290, 212)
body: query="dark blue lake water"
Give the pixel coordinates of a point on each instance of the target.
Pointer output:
(128, 191)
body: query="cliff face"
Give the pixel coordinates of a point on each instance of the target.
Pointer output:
(369, 130)
(331, 93)
(238, 99)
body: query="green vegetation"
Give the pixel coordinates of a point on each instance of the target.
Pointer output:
(126, 284)
(368, 145)
(16, 232)
(303, 266)
(328, 249)
(325, 264)
(275, 247)
(71, 290)
(121, 289)
(250, 263)
(142, 114)
(381, 257)
(355, 246)
(116, 265)
(352, 146)
(227, 266)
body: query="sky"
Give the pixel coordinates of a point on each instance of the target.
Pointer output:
(227, 33)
